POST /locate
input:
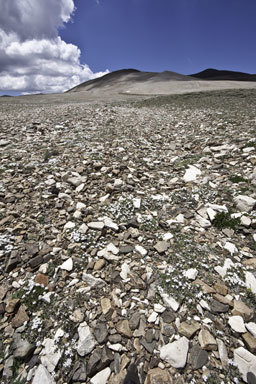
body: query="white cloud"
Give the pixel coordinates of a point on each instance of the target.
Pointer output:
(33, 58)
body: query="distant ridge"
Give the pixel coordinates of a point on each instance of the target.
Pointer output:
(215, 74)
(125, 77)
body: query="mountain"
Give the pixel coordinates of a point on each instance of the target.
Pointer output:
(215, 74)
(122, 79)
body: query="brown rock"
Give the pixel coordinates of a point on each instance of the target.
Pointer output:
(205, 287)
(158, 376)
(123, 328)
(207, 341)
(241, 309)
(99, 264)
(221, 289)
(223, 299)
(41, 279)
(250, 262)
(11, 305)
(161, 246)
(3, 290)
(250, 342)
(105, 305)
(20, 318)
(188, 330)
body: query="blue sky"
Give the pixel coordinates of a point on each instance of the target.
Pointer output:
(52, 45)
(185, 36)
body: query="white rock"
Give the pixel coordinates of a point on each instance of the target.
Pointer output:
(246, 221)
(216, 207)
(222, 352)
(42, 376)
(175, 353)
(110, 224)
(204, 305)
(77, 214)
(244, 203)
(237, 324)
(92, 281)
(191, 274)
(112, 248)
(230, 247)
(152, 318)
(245, 361)
(86, 342)
(159, 308)
(254, 237)
(118, 183)
(223, 270)
(204, 223)
(107, 255)
(80, 206)
(251, 327)
(167, 236)
(117, 347)
(47, 297)
(137, 203)
(83, 228)
(50, 355)
(101, 377)
(170, 301)
(80, 188)
(250, 282)
(67, 265)
(97, 225)
(142, 251)
(211, 214)
(191, 174)
(125, 270)
(69, 225)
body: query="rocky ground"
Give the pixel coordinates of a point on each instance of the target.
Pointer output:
(127, 235)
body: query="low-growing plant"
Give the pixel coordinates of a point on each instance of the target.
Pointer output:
(224, 220)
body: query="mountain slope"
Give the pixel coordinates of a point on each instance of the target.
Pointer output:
(215, 74)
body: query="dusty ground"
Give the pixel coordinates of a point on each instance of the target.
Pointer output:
(127, 234)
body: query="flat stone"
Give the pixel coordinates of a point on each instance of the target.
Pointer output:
(148, 346)
(4, 288)
(42, 376)
(105, 305)
(36, 261)
(175, 353)
(22, 348)
(158, 376)
(124, 250)
(97, 225)
(50, 355)
(250, 262)
(191, 174)
(67, 265)
(245, 361)
(241, 309)
(250, 282)
(168, 316)
(101, 377)
(198, 357)
(169, 301)
(158, 308)
(206, 340)
(188, 330)
(99, 264)
(123, 328)
(86, 342)
(20, 318)
(69, 225)
(221, 289)
(251, 327)
(223, 353)
(93, 281)
(244, 203)
(125, 271)
(161, 246)
(101, 333)
(250, 342)
(237, 324)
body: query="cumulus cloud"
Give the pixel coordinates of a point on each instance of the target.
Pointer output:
(33, 58)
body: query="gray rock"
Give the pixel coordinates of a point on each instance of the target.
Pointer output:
(100, 333)
(147, 345)
(175, 353)
(93, 281)
(161, 246)
(198, 357)
(22, 348)
(244, 203)
(134, 320)
(42, 376)
(86, 342)
(217, 307)
(80, 374)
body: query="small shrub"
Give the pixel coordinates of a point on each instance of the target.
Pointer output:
(224, 220)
